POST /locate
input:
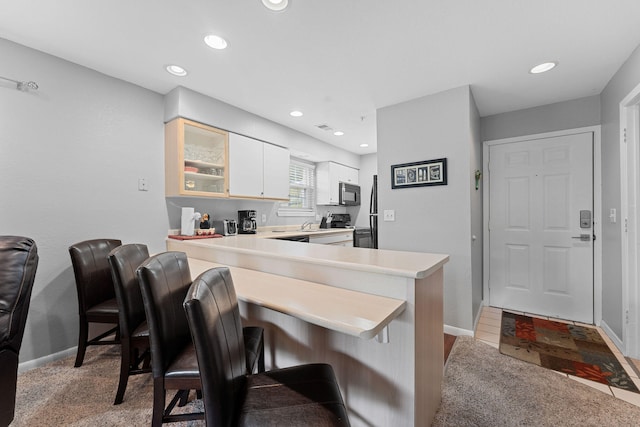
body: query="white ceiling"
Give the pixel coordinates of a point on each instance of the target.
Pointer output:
(340, 60)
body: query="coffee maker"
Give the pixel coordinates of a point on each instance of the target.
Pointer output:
(247, 222)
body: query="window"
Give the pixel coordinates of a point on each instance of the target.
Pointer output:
(302, 195)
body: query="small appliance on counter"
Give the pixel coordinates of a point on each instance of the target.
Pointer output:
(226, 227)
(187, 221)
(247, 222)
(340, 220)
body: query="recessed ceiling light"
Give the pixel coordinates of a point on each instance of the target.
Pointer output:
(215, 42)
(296, 113)
(364, 145)
(541, 68)
(176, 70)
(276, 5)
(338, 133)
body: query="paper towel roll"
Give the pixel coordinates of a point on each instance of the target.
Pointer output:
(187, 222)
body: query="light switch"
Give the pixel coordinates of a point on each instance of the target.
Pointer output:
(389, 215)
(612, 216)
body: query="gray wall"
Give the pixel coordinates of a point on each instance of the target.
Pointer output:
(477, 225)
(433, 219)
(71, 154)
(572, 114)
(368, 168)
(625, 80)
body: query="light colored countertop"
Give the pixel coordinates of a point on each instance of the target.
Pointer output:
(275, 232)
(397, 263)
(352, 313)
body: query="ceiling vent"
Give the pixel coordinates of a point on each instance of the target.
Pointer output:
(324, 127)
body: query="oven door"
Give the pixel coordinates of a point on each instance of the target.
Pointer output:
(349, 194)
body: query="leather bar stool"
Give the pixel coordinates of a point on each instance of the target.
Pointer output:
(164, 281)
(134, 332)
(18, 264)
(300, 395)
(96, 294)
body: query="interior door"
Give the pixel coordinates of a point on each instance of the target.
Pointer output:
(540, 226)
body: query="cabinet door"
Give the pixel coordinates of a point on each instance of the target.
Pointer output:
(322, 184)
(195, 159)
(245, 166)
(351, 175)
(276, 172)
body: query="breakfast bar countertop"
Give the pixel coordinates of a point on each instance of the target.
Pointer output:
(265, 244)
(353, 313)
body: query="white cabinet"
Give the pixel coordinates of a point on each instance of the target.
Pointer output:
(336, 239)
(328, 175)
(257, 169)
(276, 172)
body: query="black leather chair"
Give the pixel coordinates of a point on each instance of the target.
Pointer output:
(134, 332)
(18, 264)
(305, 395)
(164, 280)
(96, 294)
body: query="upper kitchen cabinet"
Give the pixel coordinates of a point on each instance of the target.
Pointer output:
(328, 175)
(195, 159)
(257, 170)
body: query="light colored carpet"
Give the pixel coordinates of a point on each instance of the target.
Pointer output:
(481, 388)
(485, 388)
(58, 394)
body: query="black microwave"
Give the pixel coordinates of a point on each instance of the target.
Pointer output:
(349, 194)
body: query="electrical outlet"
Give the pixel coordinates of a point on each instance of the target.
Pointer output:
(264, 218)
(142, 184)
(389, 215)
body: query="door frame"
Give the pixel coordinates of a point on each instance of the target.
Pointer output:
(629, 217)
(597, 208)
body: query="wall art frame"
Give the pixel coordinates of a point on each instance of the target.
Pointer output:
(419, 174)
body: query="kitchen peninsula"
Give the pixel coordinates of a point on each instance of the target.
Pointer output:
(374, 315)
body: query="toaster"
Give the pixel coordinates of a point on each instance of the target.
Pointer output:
(226, 227)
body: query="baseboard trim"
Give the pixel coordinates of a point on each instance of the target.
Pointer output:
(452, 330)
(35, 363)
(613, 337)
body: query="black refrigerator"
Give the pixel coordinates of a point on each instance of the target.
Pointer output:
(373, 213)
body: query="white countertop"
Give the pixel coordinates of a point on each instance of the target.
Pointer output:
(353, 313)
(398, 263)
(279, 232)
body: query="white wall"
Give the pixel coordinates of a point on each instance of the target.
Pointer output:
(432, 219)
(71, 154)
(627, 78)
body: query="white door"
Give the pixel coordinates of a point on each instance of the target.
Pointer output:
(541, 238)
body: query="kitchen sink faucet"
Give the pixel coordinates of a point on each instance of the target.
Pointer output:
(306, 223)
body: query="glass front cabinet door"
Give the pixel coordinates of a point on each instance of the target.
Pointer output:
(195, 159)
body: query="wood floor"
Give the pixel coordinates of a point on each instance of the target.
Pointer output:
(449, 340)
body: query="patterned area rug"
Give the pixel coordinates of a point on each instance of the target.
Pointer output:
(571, 349)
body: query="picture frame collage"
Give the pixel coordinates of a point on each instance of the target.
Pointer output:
(419, 174)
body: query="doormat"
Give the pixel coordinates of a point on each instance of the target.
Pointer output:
(570, 349)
